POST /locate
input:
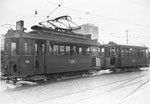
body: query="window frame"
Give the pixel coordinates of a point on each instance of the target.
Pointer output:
(16, 41)
(29, 50)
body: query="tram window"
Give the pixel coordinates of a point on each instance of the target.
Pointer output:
(73, 50)
(122, 52)
(35, 49)
(88, 50)
(6, 47)
(93, 50)
(84, 51)
(107, 52)
(43, 48)
(142, 53)
(55, 50)
(80, 50)
(127, 52)
(102, 51)
(135, 53)
(27, 47)
(61, 50)
(50, 51)
(67, 50)
(99, 51)
(138, 53)
(131, 52)
(113, 52)
(14, 46)
(147, 53)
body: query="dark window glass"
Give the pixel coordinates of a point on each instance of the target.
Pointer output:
(135, 53)
(80, 51)
(35, 49)
(103, 51)
(73, 50)
(43, 48)
(61, 50)
(131, 52)
(67, 50)
(142, 53)
(93, 50)
(122, 52)
(27, 47)
(50, 49)
(99, 51)
(138, 52)
(6, 47)
(107, 52)
(84, 51)
(14, 46)
(147, 53)
(113, 52)
(128, 52)
(55, 50)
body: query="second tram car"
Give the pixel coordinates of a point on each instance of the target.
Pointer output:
(125, 57)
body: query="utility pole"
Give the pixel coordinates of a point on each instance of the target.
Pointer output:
(127, 31)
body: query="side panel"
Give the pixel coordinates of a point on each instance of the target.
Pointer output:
(26, 65)
(57, 64)
(131, 62)
(11, 66)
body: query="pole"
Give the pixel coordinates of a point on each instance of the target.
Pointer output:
(127, 36)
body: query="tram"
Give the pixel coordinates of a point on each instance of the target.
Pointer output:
(47, 52)
(125, 57)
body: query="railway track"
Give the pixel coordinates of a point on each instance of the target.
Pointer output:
(122, 83)
(101, 84)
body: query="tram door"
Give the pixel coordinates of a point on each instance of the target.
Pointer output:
(39, 56)
(113, 55)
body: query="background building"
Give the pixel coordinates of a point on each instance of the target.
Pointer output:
(89, 29)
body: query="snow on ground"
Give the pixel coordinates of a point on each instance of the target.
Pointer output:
(105, 88)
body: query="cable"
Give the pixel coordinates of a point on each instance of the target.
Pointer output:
(96, 15)
(55, 9)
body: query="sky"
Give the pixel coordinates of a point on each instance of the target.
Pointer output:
(113, 17)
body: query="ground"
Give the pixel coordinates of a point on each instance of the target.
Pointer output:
(104, 87)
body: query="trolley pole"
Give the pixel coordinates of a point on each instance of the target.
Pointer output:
(127, 36)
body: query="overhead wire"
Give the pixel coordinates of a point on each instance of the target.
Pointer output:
(97, 15)
(59, 5)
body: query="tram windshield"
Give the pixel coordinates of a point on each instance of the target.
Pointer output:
(14, 46)
(27, 46)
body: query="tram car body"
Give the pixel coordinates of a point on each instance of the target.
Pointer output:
(46, 51)
(125, 56)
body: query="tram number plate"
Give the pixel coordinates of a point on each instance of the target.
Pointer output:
(133, 60)
(72, 61)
